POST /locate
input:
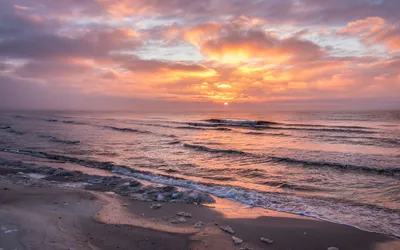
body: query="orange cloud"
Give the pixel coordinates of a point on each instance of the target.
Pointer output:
(177, 69)
(197, 34)
(243, 61)
(374, 30)
(235, 43)
(257, 44)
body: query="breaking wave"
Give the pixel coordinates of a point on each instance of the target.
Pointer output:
(57, 140)
(211, 150)
(285, 185)
(258, 125)
(292, 161)
(340, 211)
(127, 130)
(10, 130)
(238, 122)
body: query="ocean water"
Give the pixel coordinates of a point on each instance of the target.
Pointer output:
(338, 166)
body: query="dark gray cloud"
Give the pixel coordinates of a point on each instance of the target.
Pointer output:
(52, 69)
(46, 45)
(278, 11)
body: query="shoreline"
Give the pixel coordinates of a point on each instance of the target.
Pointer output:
(358, 215)
(105, 212)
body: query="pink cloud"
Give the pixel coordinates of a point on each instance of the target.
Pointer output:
(242, 44)
(374, 30)
(217, 50)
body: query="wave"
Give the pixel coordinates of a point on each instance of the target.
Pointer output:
(131, 130)
(188, 127)
(10, 130)
(389, 171)
(258, 125)
(55, 139)
(174, 142)
(285, 185)
(222, 129)
(219, 178)
(200, 128)
(87, 163)
(292, 161)
(224, 124)
(325, 126)
(197, 124)
(169, 135)
(51, 120)
(54, 120)
(169, 170)
(368, 141)
(390, 141)
(241, 122)
(337, 130)
(173, 127)
(74, 122)
(227, 125)
(127, 130)
(20, 116)
(265, 134)
(211, 150)
(331, 209)
(251, 173)
(213, 122)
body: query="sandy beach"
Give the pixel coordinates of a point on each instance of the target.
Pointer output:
(55, 212)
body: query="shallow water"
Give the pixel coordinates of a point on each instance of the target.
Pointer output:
(339, 166)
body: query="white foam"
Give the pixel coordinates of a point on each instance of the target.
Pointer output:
(10, 231)
(7, 230)
(74, 184)
(35, 176)
(350, 214)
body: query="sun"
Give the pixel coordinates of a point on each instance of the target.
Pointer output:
(226, 104)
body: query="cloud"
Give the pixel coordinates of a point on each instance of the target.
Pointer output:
(231, 44)
(4, 66)
(198, 33)
(53, 69)
(305, 12)
(314, 12)
(374, 30)
(49, 45)
(13, 22)
(252, 51)
(164, 67)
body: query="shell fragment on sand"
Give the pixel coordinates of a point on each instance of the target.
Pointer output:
(266, 240)
(237, 240)
(156, 206)
(178, 220)
(183, 214)
(333, 248)
(227, 229)
(246, 248)
(199, 224)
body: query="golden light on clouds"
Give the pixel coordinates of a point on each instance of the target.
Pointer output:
(206, 51)
(224, 86)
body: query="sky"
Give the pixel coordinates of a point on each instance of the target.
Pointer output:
(199, 54)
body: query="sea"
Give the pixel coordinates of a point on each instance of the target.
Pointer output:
(342, 167)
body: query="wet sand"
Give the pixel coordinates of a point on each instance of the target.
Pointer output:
(47, 216)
